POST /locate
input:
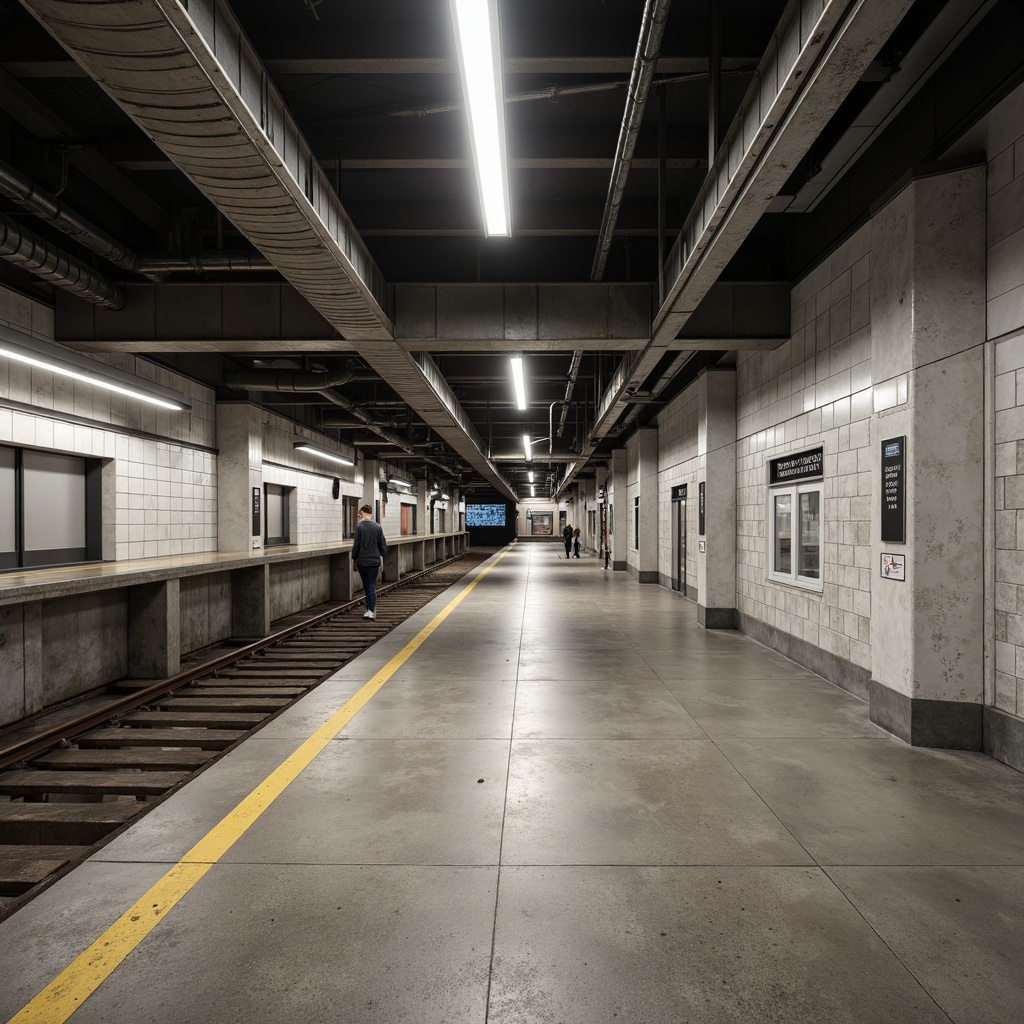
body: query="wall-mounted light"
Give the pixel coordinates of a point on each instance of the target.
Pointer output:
(529, 476)
(478, 41)
(25, 349)
(518, 381)
(526, 447)
(303, 444)
(533, 492)
(399, 481)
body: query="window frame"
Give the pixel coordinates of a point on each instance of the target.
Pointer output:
(277, 493)
(794, 577)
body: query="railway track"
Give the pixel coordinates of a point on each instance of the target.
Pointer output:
(67, 790)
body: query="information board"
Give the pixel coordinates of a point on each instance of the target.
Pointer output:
(894, 465)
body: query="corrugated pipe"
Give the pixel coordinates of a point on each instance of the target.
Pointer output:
(48, 207)
(207, 263)
(652, 30)
(574, 372)
(38, 256)
(288, 380)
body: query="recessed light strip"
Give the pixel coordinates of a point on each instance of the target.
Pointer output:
(478, 42)
(518, 381)
(23, 348)
(302, 444)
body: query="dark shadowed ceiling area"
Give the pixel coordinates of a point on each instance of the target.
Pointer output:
(278, 198)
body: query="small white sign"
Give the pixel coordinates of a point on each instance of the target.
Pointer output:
(700, 546)
(894, 567)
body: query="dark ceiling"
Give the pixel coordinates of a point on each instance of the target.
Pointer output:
(373, 88)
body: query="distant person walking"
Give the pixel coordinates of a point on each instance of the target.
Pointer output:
(368, 550)
(576, 542)
(567, 539)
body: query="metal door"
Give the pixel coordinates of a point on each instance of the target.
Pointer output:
(679, 538)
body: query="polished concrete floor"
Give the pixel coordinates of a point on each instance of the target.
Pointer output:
(570, 804)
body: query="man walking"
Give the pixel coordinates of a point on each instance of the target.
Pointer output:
(368, 550)
(567, 539)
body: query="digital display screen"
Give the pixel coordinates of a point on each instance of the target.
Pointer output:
(485, 515)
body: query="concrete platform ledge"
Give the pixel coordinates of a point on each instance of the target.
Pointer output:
(842, 673)
(1004, 738)
(950, 724)
(716, 618)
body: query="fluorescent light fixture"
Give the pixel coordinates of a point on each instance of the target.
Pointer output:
(526, 447)
(529, 476)
(478, 42)
(45, 356)
(533, 492)
(399, 481)
(303, 444)
(517, 380)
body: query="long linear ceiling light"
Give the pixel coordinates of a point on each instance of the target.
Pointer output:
(526, 447)
(478, 42)
(45, 356)
(519, 381)
(303, 444)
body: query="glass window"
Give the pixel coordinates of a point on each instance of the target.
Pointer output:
(276, 520)
(783, 533)
(794, 531)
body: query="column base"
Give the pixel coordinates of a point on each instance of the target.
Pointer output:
(1004, 738)
(947, 724)
(716, 618)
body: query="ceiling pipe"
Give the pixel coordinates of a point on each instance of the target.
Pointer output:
(288, 380)
(22, 190)
(205, 263)
(41, 257)
(652, 30)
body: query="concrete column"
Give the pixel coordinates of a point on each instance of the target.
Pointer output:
(620, 509)
(341, 576)
(424, 520)
(250, 601)
(647, 474)
(371, 483)
(239, 475)
(154, 630)
(716, 443)
(927, 294)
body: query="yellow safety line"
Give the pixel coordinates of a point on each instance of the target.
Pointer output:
(59, 1000)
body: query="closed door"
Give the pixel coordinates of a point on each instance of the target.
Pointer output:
(679, 539)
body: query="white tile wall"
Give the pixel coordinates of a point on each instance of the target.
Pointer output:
(164, 493)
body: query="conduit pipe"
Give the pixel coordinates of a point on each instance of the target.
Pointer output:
(652, 30)
(41, 257)
(15, 185)
(288, 380)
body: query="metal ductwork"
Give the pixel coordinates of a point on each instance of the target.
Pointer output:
(38, 256)
(203, 263)
(288, 380)
(336, 422)
(194, 84)
(652, 29)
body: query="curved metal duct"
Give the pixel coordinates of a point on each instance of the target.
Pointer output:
(287, 380)
(47, 206)
(38, 256)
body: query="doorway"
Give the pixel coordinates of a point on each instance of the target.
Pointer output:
(679, 539)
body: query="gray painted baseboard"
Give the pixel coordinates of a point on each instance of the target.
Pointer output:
(950, 724)
(716, 618)
(844, 674)
(618, 566)
(648, 576)
(1004, 738)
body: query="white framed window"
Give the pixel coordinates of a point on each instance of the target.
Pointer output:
(795, 534)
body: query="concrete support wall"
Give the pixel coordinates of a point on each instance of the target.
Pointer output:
(621, 509)
(716, 565)
(239, 475)
(928, 323)
(642, 494)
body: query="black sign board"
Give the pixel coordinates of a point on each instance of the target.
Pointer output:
(700, 509)
(894, 474)
(679, 492)
(799, 466)
(257, 513)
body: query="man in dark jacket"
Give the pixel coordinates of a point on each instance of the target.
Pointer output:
(567, 538)
(368, 550)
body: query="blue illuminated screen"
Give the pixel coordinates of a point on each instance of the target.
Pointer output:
(485, 515)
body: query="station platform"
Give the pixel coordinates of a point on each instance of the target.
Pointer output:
(556, 800)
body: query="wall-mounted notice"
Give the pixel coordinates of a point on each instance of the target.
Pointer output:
(702, 546)
(894, 469)
(700, 509)
(257, 514)
(798, 466)
(894, 567)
